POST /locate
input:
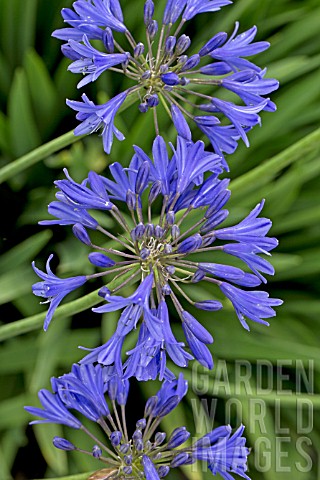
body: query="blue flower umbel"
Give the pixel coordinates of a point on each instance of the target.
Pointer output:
(165, 69)
(167, 237)
(145, 453)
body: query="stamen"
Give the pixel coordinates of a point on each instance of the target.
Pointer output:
(182, 292)
(123, 415)
(130, 39)
(125, 282)
(172, 100)
(156, 124)
(160, 46)
(115, 252)
(115, 411)
(110, 235)
(200, 81)
(179, 27)
(107, 272)
(197, 94)
(202, 220)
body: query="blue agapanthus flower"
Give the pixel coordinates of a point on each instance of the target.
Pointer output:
(166, 69)
(167, 237)
(145, 452)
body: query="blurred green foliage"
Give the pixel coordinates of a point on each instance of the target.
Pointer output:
(282, 165)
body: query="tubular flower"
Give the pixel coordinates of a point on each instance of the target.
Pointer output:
(166, 70)
(54, 288)
(169, 235)
(146, 452)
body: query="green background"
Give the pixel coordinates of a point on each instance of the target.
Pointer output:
(282, 166)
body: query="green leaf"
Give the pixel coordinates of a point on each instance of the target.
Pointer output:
(25, 251)
(17, 28)
(36, 155)
(264, 173)
(11, 285)
(44, 96)
(12, 413)
(4, 133)
(56, 459)
(24, 134)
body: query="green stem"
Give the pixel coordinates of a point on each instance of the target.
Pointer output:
(33, 323)
(36, 321)
(38, 154)
(17, 166)
(265, 172)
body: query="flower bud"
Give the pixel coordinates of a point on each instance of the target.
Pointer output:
(213, 221)
(190, 244)
(183, 44)
(170, 269)
(115, 438)
(198, 276)
(146, 75)
(138, 50)
(182, 60)
(178, 437)
(149, 231)
(143, 107)
(208, 240)
(169, 45)
(144, 253)
(158, 231)
(96, 451)
(170, 79)
(214, 43)
(159, 438)
(137, 435)
(153, 100)
(142, 178)
(192, 62)
(108, 41)
(196, 328)
(63, 444)
(131, 200)
(124, 448)
(154, 192)
(180, 123)
(164, 68)
(170, 217)
(101, 260)
(163, 471)
(167, 248)
(152, 29)
(141, 424)
(209, 305)
(179, 459)
(150, 406)
(184, 81)
(139, 445)
(81, 234)
(148, 12)
(166, 289)
(138, 232)
(175, 232)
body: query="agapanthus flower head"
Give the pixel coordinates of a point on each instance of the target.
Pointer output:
(166, 71)
(96, 393)
(168, 210)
